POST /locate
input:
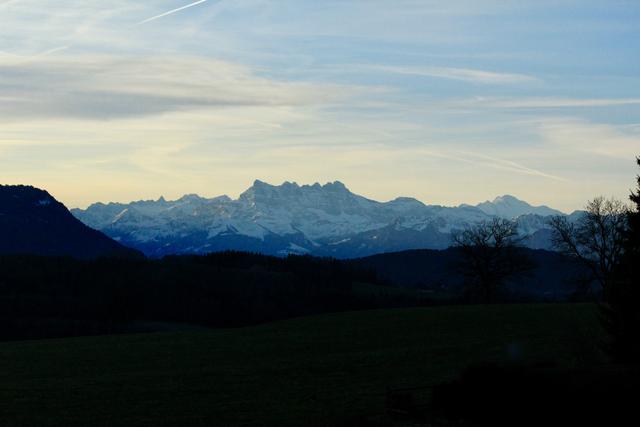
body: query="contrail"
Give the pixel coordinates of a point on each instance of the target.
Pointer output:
(52, 51)
(511, 165)
(153, 18)
(492, 162)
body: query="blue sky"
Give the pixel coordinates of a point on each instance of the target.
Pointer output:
(449, 102)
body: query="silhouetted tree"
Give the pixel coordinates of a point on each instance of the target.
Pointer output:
(492, 254)
(596, 239)
(622, 314)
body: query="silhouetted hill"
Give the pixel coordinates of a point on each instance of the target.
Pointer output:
(554, 276)
(33, 222)
(44, 297)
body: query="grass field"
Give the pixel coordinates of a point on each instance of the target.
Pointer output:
(325, 370)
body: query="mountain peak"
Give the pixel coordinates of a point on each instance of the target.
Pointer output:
(33, 222)
(190, 198)
(263, 184)
(14, 198)
(292, 189)
(508, 206)
(508, 198)
(335, 186)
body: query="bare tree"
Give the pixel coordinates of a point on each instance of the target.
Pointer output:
(492, 254)
(596, 239)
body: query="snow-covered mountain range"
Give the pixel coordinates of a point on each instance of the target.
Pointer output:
(325, 220)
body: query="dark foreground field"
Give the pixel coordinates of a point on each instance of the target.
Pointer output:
(325, 370)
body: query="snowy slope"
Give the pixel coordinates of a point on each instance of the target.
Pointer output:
(510, 207)
(289, 218)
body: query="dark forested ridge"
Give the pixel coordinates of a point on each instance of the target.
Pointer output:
(33, 222)
(54, 296)
(63, 296)
(553, 277)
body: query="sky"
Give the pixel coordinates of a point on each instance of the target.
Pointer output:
(447, 101)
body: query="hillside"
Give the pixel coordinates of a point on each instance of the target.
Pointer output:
(553, 277)
(48, 297)
(317, 371)
(33, 222)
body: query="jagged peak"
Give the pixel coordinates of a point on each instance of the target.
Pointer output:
(263, 184)
(259, 185)
(336, 186)
(189, 198)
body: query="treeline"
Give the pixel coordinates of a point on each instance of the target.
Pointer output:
(44, 297)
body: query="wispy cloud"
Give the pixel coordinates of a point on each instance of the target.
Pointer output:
(171, 12)
(600, 139)
(8, 3)
(108, 87)
(549, 102)
(462, 74)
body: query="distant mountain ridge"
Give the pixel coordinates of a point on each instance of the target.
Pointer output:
(323, 220)
(510, 207)
(33, 222)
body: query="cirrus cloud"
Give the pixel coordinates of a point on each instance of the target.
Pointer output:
(109, 87)
(468, 75)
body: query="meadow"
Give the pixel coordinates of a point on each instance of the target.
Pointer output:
(331, 369)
